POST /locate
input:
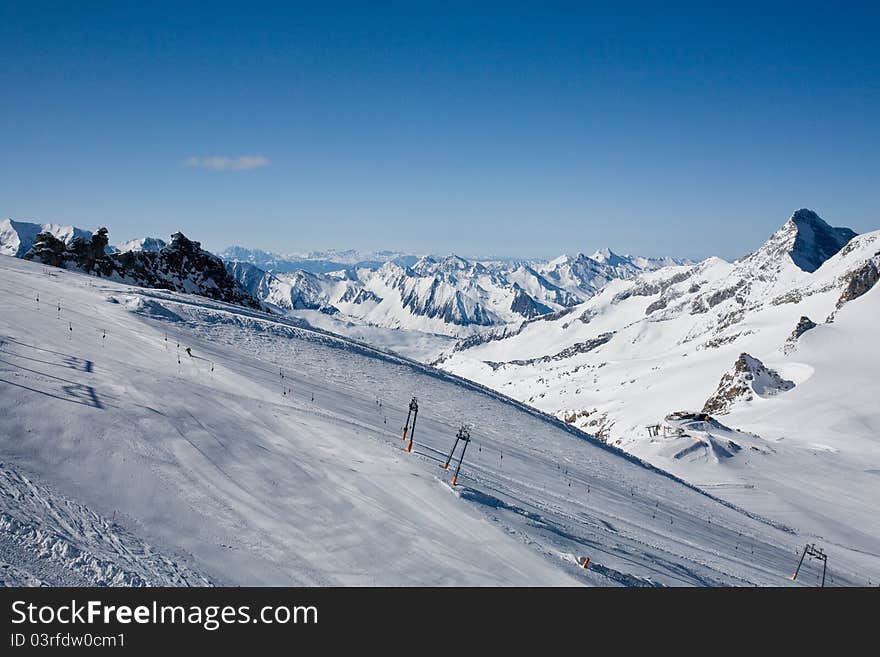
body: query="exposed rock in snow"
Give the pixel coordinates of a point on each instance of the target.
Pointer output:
(861, 280)
(816, 241)
(181, 265)
(523, 304)
(804, 324)
(749, 377)
(568, 352)
(88, 254)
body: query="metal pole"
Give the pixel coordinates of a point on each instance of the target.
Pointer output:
(406, 425)
(413, 407)
(412, 433)
(445, 466)
(824, 567)
(798, 569)
(460, 459)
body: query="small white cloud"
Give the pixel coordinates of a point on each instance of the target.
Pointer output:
(219, 163)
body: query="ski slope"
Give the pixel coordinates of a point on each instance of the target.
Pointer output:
(226, 473)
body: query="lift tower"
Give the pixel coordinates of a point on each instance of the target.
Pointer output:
(463, 436)
(414, 414)
(814, 553)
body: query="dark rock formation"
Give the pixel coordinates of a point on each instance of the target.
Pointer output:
(181, 266)
(816, 241)
(861, 280)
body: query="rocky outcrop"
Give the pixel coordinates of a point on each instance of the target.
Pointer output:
(357, 295)
(861, 280)
(181, 266)
(804, 324)
(748, 378)
(47, 249)
(575, 349)
(85, 253)
(525, 305)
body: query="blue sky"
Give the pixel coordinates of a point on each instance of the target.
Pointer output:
(526, 129)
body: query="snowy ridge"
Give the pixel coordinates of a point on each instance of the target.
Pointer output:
(451, 296)
(142, 244)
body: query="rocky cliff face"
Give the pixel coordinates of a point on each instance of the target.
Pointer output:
(181, 266)
(816, 241)
(85, 253)
(861, 280)
(806, 240)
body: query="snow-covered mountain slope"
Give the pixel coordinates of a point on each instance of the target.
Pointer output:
(272, 455)
(17, 237)
(47, 539)
(583, 275)
(142, 244)
(450, 296)
(661, 342)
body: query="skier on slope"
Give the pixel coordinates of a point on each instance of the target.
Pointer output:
(188, 352)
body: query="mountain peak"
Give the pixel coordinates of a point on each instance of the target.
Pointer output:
(806, 239)
(455, 261)
(608, 257)
(181, 242)
(805, 216)
(142, 244)
(814, 240)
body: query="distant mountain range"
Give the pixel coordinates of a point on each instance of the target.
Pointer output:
(647, 345)
(449, 295)
(316, 262)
